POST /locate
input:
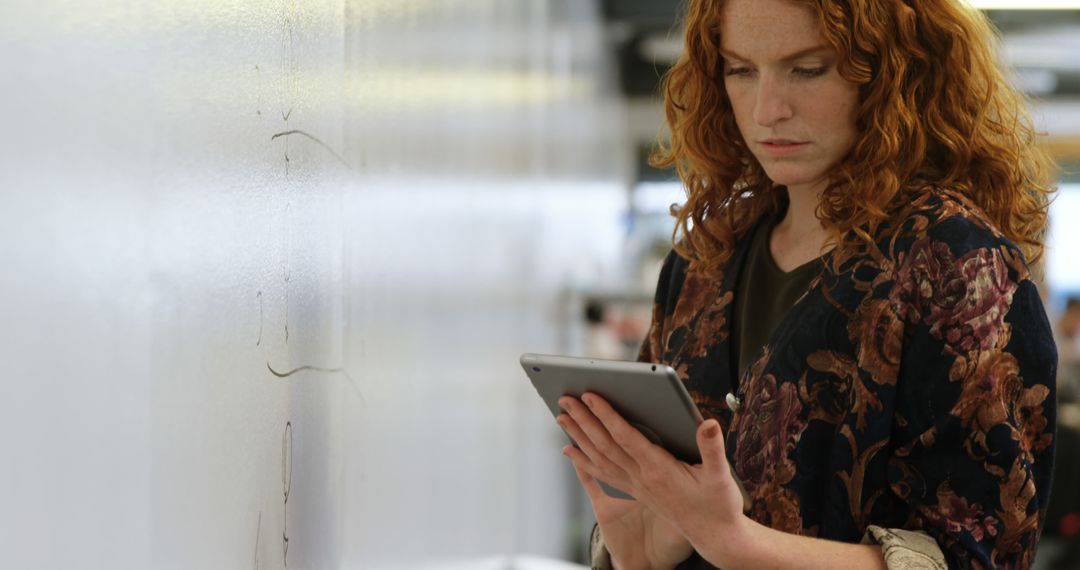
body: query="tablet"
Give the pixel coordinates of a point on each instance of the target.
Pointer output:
(651, 397)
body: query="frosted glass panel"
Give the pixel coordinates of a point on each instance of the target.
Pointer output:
(1062, 272)
(268, 266)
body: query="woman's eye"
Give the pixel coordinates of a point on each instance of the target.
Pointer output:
(810, 71)
(737, 71)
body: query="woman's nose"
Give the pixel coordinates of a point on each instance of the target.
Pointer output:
(772, 105)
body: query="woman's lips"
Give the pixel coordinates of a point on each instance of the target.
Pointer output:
(782, 147)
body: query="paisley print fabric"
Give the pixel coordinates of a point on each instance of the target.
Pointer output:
(913, 389)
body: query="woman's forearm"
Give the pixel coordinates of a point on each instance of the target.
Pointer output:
(752, 546)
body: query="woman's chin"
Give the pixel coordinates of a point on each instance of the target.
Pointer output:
(796, 181)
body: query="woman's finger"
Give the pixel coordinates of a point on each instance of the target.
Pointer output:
(710, 440)
(626, 437)
(588, 482)
(597, 462)
(603, 448)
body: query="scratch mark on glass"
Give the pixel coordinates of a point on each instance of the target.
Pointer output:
(258, 97)
(258, 533)
(259, 296)
(286, 480)
(285, 117)
(287, 277)
(317, 369)
(315, 139)
(291, 19)
(286, 262)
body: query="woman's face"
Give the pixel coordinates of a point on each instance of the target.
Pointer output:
(796, 114)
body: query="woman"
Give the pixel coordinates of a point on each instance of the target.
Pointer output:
(849, 303)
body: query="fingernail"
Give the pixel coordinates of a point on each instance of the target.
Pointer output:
(588, 401)
(712, 431)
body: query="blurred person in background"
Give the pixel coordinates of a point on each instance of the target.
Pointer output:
(849, 302)
(1068, 340)
(1063, 517)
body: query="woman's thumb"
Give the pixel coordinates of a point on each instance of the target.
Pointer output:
(711, 443)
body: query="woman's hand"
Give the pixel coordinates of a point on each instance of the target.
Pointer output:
(678, 507)
(635, 536)
(682, 506)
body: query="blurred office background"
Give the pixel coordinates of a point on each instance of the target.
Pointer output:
(268, 266)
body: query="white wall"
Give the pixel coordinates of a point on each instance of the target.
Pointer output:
(449, 167)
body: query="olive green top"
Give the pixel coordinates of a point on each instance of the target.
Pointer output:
(764, 294)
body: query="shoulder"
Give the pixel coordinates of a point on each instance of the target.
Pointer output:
(680, 276)
(672, 275)
(945, 229)
(955, 274)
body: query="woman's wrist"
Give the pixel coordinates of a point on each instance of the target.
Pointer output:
(726, 543)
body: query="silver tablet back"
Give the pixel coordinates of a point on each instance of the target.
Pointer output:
(649, 396)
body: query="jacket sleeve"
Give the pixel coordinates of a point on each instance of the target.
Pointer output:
(667, 288)
(906, 549)
(599, 557)
(975, 404)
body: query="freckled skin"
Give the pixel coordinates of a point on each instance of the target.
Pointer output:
(803, 99)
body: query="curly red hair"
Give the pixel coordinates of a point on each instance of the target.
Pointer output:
(935, 110)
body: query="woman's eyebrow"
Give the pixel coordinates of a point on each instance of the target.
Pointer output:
(728, 54)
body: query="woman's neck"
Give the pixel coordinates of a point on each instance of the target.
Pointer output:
(799, 237)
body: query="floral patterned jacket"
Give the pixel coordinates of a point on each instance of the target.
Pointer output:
(912, 390)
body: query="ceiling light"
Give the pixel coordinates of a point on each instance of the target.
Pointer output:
(1025, 4)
